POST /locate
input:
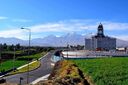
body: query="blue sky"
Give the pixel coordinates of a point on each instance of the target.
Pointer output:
(58, 17)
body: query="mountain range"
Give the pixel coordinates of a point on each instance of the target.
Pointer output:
(52, 40)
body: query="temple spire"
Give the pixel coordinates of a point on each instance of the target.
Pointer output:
(100, 32)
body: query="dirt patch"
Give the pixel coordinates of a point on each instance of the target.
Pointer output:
(8, 83)
(65, 73)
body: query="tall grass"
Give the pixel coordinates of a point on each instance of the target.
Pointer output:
(105, 71)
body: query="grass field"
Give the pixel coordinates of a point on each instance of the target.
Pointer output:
(9, 64)
(105, 71)
(35, 56)
(32, 66)
(6, 65)
(12, 52)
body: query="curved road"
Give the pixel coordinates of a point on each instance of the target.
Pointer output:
(43, 70)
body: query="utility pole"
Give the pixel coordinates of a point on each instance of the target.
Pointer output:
(29, 37)
(67, 50)
(0, 57)
(14, 59)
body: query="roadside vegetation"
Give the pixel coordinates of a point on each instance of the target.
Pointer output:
(32, 57)
(105, 71)
(32, 66)
(14, 56)
(9, 64)
(65, 73)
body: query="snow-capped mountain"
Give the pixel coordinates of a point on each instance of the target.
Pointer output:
(121, 43)
(70, 38)
(11, 41)
(52, 40)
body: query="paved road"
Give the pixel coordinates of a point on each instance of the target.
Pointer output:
(44, 69)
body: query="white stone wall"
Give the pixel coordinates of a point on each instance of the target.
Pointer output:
(106, 43)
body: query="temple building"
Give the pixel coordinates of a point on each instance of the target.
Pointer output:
(100, 41)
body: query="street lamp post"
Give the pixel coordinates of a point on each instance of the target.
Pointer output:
(0, 57)
(14, 59)
(67, 49)
(20, 80)
(28, 52)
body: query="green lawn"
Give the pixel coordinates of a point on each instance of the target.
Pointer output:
(12, 52)
(32, 66)
(105, 71)
(9, 64)
(6, 65)
(35, 56)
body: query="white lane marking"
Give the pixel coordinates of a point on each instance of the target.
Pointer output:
(39, 79)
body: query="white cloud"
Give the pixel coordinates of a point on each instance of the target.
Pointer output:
(67, 26)
(21, 20)
(77, 25)
(122, 37)
(115, 26)
(12, 33)
(3, 18)
(55, 27)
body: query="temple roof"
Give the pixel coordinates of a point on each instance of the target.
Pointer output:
(100, 26)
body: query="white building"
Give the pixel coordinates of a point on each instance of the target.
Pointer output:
(100, 41)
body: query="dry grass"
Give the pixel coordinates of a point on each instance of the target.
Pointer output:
(32, 66)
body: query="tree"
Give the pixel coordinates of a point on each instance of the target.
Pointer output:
(80, 47)
(11, 48)
(18, 46)
(5, 46)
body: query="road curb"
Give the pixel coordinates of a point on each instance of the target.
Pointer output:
(26, 64)
(32, 62)
(36, 75)
(39, 79)
(52, 64)
(43, 56)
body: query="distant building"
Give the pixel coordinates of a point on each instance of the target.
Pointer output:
(100, 41)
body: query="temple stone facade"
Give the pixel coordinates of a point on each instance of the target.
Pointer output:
(100, 41)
